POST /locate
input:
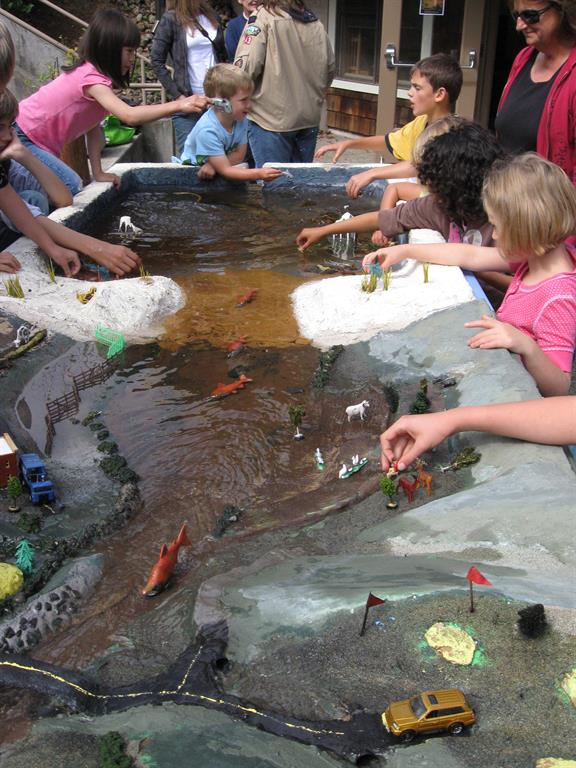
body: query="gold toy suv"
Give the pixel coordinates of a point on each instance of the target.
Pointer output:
(445, 710)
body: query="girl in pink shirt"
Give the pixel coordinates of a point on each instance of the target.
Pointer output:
(532, 206)
(78, 100)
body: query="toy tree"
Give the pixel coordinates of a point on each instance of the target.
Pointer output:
(421, 403)
(25, 556)
(14, 491)
(297, 413)
(532, 620)
(388, 488)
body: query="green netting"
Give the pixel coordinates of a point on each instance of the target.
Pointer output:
(112, 339)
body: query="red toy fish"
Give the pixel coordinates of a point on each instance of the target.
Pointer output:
(161, 574)
(247, 297)
(237, 346)
(223, 390)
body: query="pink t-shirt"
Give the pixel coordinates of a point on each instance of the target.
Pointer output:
(546, 312)
(61, 110)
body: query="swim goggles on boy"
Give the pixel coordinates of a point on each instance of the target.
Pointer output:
(531, 15)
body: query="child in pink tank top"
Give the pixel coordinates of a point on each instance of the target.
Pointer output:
(78, 100)
(532, 205)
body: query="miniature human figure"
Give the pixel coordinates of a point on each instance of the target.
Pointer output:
(537, 318)
(80, 98)
(343, 472)
(218, 141)
(550, 422)
(319, 459)
(435, 84)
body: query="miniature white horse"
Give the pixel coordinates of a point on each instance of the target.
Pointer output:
(357, 410)
(127, 226)
(343, 471)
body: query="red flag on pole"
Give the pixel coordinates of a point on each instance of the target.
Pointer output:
(475, 577)
(373, 600)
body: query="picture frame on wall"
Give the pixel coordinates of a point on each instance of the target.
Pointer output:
(432, 7)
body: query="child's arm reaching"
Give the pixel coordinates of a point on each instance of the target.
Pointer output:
(401, 170)
(58, 193)
(20, 216)
(395, 193)
(145, 113)
(550, 422)
(472, 257)
(371, 143)
(117, 258)
(365, 222)
(223, 167)
(9, 263)
(94, 146)
(549, 378)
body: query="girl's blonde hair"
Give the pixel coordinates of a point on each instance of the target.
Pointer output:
(533, 203)
(225, 80)
(437, 128)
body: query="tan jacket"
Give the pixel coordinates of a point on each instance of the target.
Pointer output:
(292, 65)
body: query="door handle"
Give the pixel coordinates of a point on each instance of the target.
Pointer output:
(391, 62)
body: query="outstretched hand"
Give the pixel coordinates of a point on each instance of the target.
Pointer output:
(66, 259)
(411, 436)
(357, 183)
(386, 257)
(498, 335)
(338, 148)
(308, 237)
(117, 258)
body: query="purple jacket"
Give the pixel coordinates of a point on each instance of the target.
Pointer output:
(556, 139)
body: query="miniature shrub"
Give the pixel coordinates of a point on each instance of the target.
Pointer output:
(30, 522)
(112, 751)
(327, 360)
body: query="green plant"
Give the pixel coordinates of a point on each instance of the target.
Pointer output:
(296, 413)
(30, 522)
(51, 271)
(14, 491)
(392, 396)
(112, 751)
(425, 269)
(25, 556)
(369, 283)
(465, 458)
(13, 288)
(144, 274)
(386, 279)
(388, 488)
(19, 6)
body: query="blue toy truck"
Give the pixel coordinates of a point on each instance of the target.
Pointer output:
(35, 478)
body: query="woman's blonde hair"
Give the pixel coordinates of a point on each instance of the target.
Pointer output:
(225, 80)
(533, 203)
(7, 55)
(437, 128)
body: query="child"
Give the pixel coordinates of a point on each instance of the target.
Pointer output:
(78, 100)
(435, 84)
(452, 166)
(218, 140)
(550, 422)
(236, 26)
(38, 186)
(537, 319)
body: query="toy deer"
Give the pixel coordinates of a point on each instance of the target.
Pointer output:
(408, 487)
(425, 479)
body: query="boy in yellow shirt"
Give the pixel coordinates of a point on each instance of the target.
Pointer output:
(435, 84)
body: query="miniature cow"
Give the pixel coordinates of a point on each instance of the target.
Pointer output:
(357, 410)
(127, 226)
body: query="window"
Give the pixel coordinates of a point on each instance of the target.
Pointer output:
(358, 24)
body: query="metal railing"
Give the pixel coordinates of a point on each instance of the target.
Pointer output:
(141, 84)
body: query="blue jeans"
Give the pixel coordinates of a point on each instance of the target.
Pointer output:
(183, 123)
(285, 147)
(63, 171)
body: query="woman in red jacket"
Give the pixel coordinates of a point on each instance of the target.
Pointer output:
(537, 111)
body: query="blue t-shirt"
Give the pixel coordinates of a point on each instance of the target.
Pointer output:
(234, 31)
(209, 138)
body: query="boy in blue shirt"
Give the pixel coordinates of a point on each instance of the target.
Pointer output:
(219, 139)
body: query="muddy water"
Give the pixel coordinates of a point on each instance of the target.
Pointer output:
(197, 455)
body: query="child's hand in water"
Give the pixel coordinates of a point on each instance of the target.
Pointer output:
(308, 237)
(9, 263)
(498, 335)
(117, 258)
(357, 183)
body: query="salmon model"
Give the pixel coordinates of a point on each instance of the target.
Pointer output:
(247, 297)
(161, 574)
(223, 390)
(237, 346)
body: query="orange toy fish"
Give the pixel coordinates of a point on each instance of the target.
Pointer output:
(161, 574)
(237, 346)
(247, 297)
(223, 390)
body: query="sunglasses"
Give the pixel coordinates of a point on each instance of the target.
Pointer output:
(531, 16)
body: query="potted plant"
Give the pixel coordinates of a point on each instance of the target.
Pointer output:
(14, 491)
(296, 413)
(388, 488)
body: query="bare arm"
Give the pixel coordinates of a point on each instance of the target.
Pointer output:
(394, 193)
(94, 146)
(58, 193)
(365, 222)
(18, 213)
(371, 143)
(401, 170)
(550, 422)
(224, 168)
(117, 258)
(473, 257)
(146, 113)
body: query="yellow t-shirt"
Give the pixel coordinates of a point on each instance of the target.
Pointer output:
(402, 141)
